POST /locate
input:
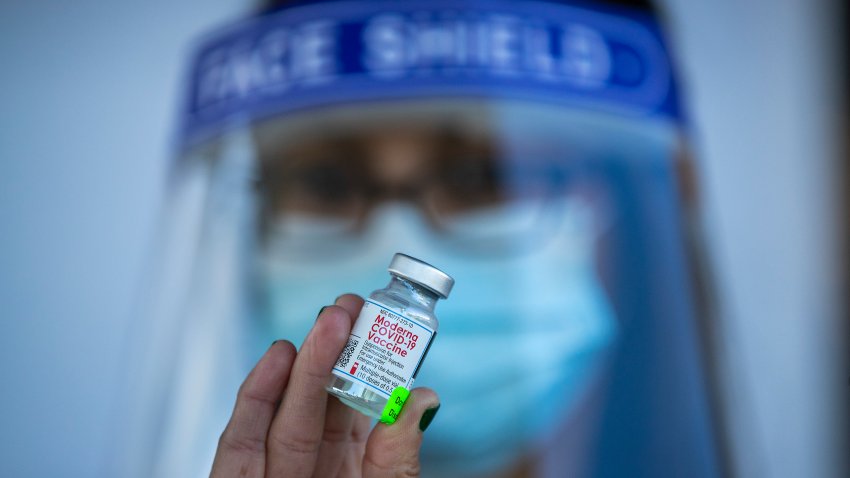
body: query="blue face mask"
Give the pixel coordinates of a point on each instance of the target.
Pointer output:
(518, 340)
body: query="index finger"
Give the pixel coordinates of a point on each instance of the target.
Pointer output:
(296, 432)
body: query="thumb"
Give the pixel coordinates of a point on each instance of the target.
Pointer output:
(393, 450)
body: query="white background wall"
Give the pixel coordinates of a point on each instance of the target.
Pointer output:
(88, 92)
(763, 79)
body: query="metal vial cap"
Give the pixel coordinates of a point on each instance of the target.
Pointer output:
(422, 273)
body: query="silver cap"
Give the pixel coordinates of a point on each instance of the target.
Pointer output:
(422, 273)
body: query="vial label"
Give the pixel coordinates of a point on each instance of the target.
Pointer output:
(384, 350)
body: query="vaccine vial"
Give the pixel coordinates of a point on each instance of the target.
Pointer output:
(391, 336)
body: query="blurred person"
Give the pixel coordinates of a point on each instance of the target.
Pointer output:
(533, 150)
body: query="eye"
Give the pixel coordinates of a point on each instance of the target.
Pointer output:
(471, 176)
(467, 182)
(324, 183)
(318, 180)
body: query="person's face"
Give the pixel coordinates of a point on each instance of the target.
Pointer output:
(484, 181)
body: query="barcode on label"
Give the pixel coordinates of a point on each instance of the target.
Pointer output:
(345, 356)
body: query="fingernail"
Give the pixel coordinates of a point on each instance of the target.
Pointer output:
(320, 311)
(272, 345)
(428, 417)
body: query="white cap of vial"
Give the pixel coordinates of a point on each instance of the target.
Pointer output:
(422, 273)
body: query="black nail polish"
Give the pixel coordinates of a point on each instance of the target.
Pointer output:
(272, 345)
(428, 417)
(320, 311)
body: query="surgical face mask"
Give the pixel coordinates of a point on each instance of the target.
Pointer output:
(518, 331)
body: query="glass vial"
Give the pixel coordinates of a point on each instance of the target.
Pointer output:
(391, 336)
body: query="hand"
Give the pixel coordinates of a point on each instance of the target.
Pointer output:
(285, 424)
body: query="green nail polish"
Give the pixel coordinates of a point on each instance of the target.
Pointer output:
(428, 417)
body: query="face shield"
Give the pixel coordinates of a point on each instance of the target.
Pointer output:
(526, 148)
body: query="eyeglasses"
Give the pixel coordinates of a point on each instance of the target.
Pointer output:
(459, 185)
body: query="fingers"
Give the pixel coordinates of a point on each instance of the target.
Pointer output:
(353, 455)
(290, 439)
(352, 304)
(393, 450)
(338, 436)
(242, 447)
(296, 431)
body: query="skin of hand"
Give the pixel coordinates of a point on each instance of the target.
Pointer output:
(285, 424)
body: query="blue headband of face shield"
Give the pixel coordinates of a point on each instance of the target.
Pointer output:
(327, 53)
